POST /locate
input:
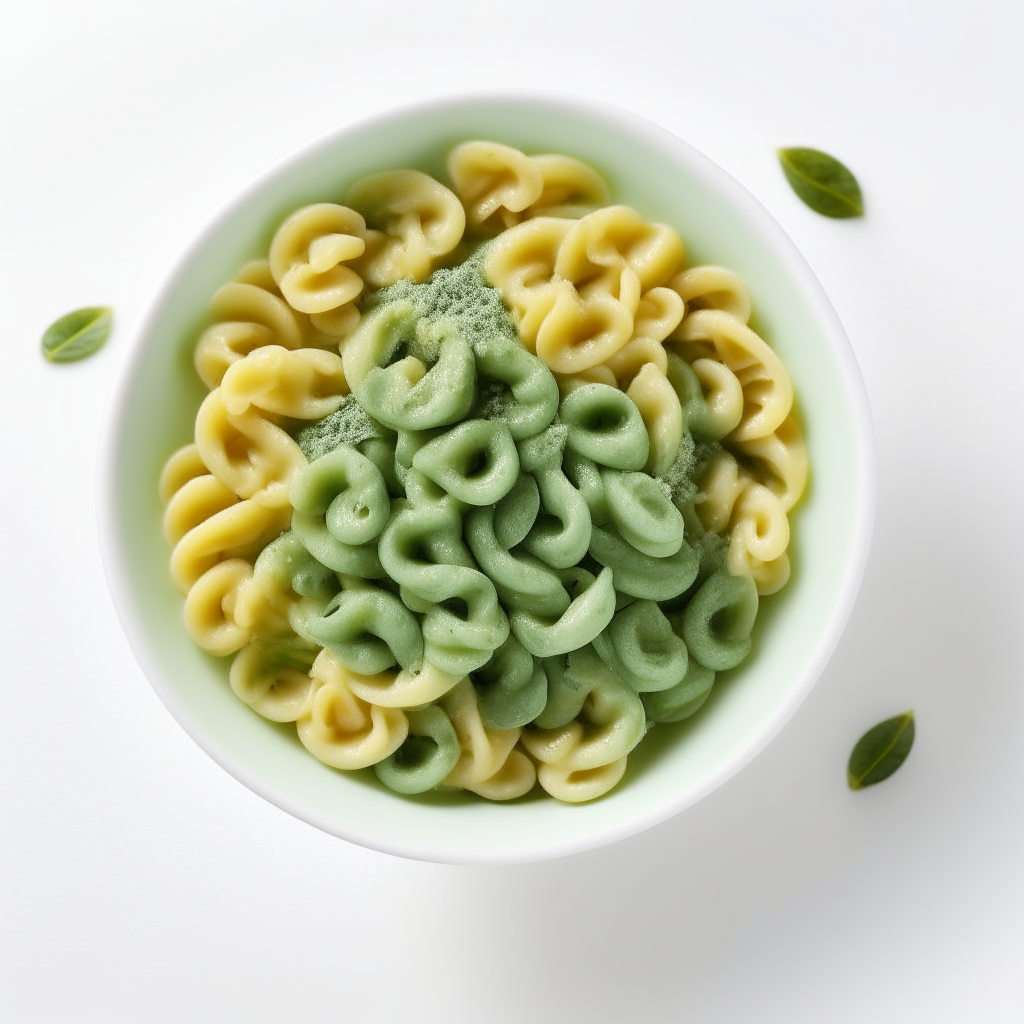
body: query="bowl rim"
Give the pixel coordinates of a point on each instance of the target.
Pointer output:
(795, 266)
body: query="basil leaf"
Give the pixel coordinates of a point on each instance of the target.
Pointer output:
(822, 182)
(880, 751)
(77, 334)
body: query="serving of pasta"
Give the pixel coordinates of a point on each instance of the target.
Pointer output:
(488, 481)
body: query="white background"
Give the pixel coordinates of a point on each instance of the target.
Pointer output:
(139, 882)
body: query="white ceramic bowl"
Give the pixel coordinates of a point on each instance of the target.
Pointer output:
(666, 180)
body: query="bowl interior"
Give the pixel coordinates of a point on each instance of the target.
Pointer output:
(665, 180)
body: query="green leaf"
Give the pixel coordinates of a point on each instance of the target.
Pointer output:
(880, 751)
(77, 334)
(822, 182)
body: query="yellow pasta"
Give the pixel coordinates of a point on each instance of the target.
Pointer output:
(181, 466)
(570, 188)
(759, 523)
(614, 238)
(240, 530)
(581, 332)
(586, 757)
(274, 678)
(767, 389)
(343, 730)
(412, 220)
(721, 486)
(255, 458)
(309, 256)
(709, 287)
(247, 317)
(404, 689)
(662, 415)
(780, 459)
(210, 607)
(631, 359)
(305, 384)
(754, 518)
(658, 314)
(521, 262)
(319, 330)
(494, 181)
(193, 503)
(481, 767)
(593, 375)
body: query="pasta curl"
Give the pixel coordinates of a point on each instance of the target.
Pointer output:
(570, 188)
(708, 287)
(767, 389)
(428, 754)
(238, 531)
(495, 182)
(489, 764)
(274, 679)
(580, 760)
(413, 219)
(309, 253)
(246, 317)
(306, 384)
(210, 607)
(406, 395)
(340, 729)
(463, 622)
(500, 185)
(255, 458)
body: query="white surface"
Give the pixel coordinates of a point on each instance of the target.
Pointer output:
(138, 882)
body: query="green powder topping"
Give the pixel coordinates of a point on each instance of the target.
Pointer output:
(493, 400)
(348, 424)
(677, 482)
(460, 295)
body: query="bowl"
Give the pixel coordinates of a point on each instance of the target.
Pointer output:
(666, 180)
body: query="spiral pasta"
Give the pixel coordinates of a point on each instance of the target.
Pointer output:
(481, 526)
(309, 256)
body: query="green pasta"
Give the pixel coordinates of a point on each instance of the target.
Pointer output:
(604, 425)
(512, 688)
(640, 647)
(370, 630)
(522, 580)
(586, 477)
(529, 548)
(717, 622)
(422, 550)
(526, 396)
(400, 394)
(590, 610)
(428, 754)
(656, 579)
(560, 535)
(288, 562)
(643, 514)
(348, 490)
(517, 511)
(699, 418)
(682, 700)
(475, 461)
(582, 683)
(381, 452)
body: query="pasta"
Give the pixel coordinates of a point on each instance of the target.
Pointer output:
(487, 483)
